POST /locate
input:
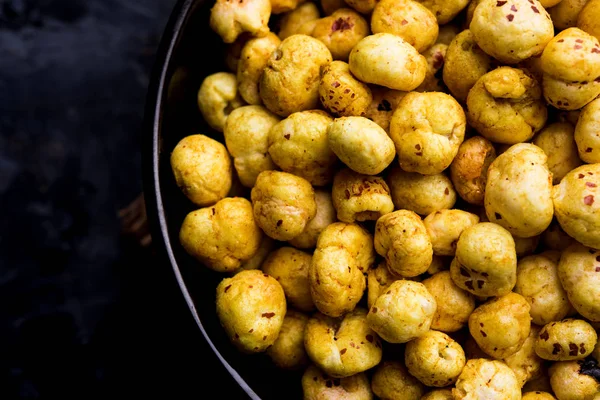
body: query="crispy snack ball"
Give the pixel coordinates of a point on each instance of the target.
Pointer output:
(402, 239)
(565, 13)
(292, 21)
(253, 59)
(422, 194)
(341, 31)
(287, 352)
(361, 144)
(579, 273)
(362, 6)
(444, 228)
(486, 379)
(577, 204)
(222, 236)
(538, 283)
(538, 395)
(283, 204)
(318, 386)
(378, 280)
(518, 193)
(435, 61)
(439, 394)
(566, 340)
(586, 133)
(281, 6)
(388, 60)
(501, 325)
(298, 144)
(435, 359)
(324, 217)
(218, 96)
(233, 52)
(342, 348)
(469, 168)
(588, 18)
(445, 11)
(506, 106)
(251, 308)
(231, 18)
(341, 93)
(427, 129)
(558, 142)
(383, 105)
(202, 169)
(290, 267)
(408, 19)
(359, 197)
(454, 305)
(246, 134)
(486, 260)
(344, 253)
(569, 382)
(404, 312)
(392, 381)
(290, 81)
(511, 30)
(525, 363)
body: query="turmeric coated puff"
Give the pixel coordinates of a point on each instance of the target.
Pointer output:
(251, 308)
(579, 273)
(202, 169)
(287, 352)
(222, 236)
(505, 106)
(427, 129)
(438, 394)
(586, 133)
(291, 21)
(283, 204)
(486, 379)
(362, 6)
(341, 93)
(281, 6)
(571, 380)
(253, 59)
(229, 19)
(290, 81)
(324, 217)
(218, 96)
(383, 105)
(587, 20)
(538, 395)
(342, 347)
(392, 381)
(435, 62)
(341, 31)
(566, 340)
(511, 30)
(558, 142)
(318, 386)
(565, 13)
(445, 11)
(525, 363)
(378, 280)
(444, 228)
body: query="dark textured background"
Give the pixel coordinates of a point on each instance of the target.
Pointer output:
(84, 312)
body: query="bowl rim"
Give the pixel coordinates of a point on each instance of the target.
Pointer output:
(153, 113)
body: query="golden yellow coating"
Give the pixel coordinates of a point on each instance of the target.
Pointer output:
(251, 308)
(538, 395)
(218, 96)
(469, 13)
(454, 305)
(438, 263)
(298, 145)
(586, 133)
(422, 194)
(392, 381)
(469, 168)
(435, 359)
(324, 217)
(388, 60)
(524, 246)
(378, 280)
(506, 106)
(383, 105)
(290, 81)
(222, 236)
(330, 6)
(246, 134)
(401, 238)
(202, 169)
(404, 312)
(408, 19)
(291, 22)
(587, 20)
(290, 267)
(287, 352)
(565, 13)
(253, 59)
(486, 260)
(362, 6)
(341, 93)
(318, 386)
(570, 96)
(566, 340)
(445, 11)
(511, 30)
(444, 228)
(435, 61)
(341, 31)
(558, 142)
(568, 383)
(554, 238)
(501, 325)
(486, 379)
(233, 52)
(438, 394)
(464, 64)
(342, 347)
(229, 19)
(361, 144)
(283, 204)
(518, 192)
(427, 129)
(579, 274)
(538, 283)
(344, 253)
(266, 246)
(281, 6)
(525, 363)
(576, 204)
(359, 197)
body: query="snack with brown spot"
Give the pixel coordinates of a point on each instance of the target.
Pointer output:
(292, 21)
(229, 19)
(341, 31)
(444, 228)
(324, 217)
(317, 385)
(570, 382)
(341, 93)
(469, 168)
(391, 380)
(558, 142)
(586, 133)
(566, 340)
(217, 97)
(487, 379)
(454, 305)
(287, 352)
(253, 59)
(525, 363)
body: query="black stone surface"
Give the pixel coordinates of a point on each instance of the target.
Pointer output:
(84, 313)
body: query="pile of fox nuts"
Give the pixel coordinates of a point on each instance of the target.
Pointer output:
(405, 203)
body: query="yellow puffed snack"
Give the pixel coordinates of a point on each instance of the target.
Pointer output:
(391, 380)
(379, 279)
(218, 96)
(341, 93)
(586, 133)
(317, 385)
(438, 394)
(253, 59)
(525, 363)
(538, 395)
(565, 13)
(486, 379)
(324, 217)
(569, 339)
(435, 61)
(287, 352)
(444, 228)
(558, 142)
(570, 380)
(341, 31)
(330, 6)
(281, 6)
(229, 19)
(588, 18)
(383, 105)
(292, 21)
(362, 6)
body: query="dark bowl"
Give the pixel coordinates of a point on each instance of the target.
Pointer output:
(188, 52)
